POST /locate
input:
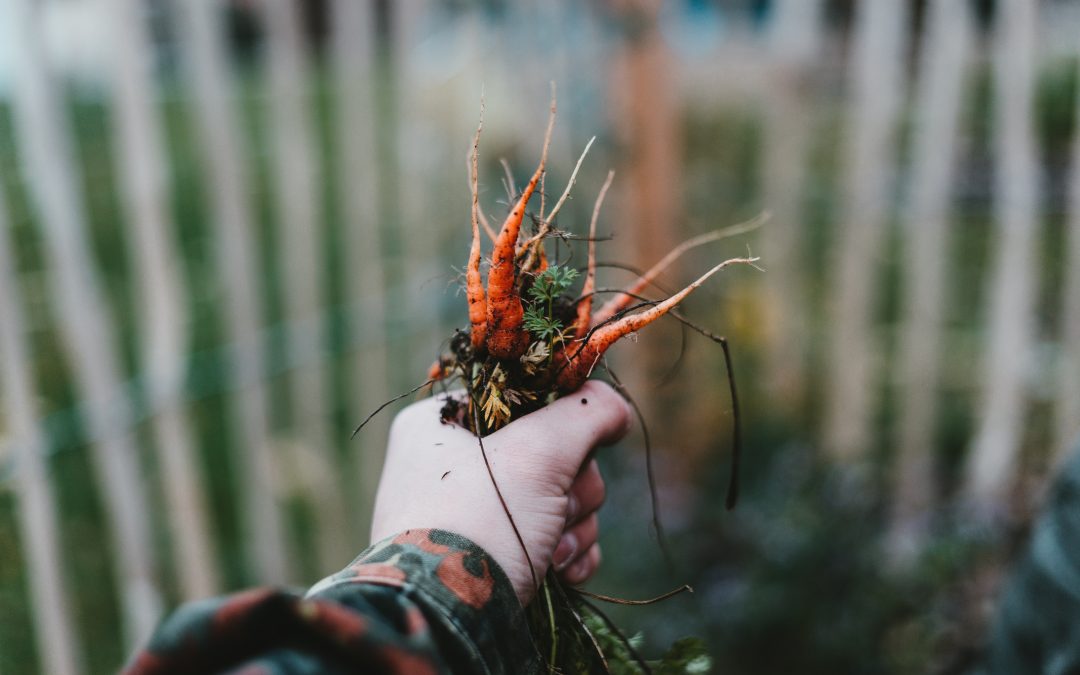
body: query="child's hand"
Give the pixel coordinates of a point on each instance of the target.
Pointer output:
(435, 477)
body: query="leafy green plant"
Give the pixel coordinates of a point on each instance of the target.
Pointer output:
(540, 320)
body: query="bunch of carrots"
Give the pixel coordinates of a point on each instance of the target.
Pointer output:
(531, 340)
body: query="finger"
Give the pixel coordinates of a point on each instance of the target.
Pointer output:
(586, 493)
(574, 542)
(575, 424)
(586, 566)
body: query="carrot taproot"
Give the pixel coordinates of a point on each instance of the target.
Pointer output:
(581, 360)
(533, 248)
(506, 338)
(584, 307)
(621, 301)
(484, 223)
(474, 283)
(542, 262)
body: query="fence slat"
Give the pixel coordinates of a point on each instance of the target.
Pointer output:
(992, 460)
(1067, 421)
(84, 326)
(139, 159)
(204, 47)
(876, 82)
(39, 528)
(794, 44)
(943, 60)
(420, 162)
(646, 205)
(353, 53)
(295, 164)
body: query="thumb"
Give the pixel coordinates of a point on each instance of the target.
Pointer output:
(569, 428)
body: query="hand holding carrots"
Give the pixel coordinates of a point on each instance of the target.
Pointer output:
(435, 478)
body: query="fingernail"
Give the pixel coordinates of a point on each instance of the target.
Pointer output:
(564, 551)
(572, 507)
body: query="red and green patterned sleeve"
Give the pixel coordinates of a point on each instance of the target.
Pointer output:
(424, 601)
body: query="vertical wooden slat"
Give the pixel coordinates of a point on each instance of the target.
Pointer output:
(876, 80)
(39, 529)
(419, 216)
(1067, 432)
(140, 161)
(943, 60)
(645, 102)
(390, 182)
(202, 34)
(992, 460)
(794, 44)
(353, 53)
(295, 164)
(84, 323)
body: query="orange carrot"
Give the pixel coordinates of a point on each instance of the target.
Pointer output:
(506, 339)
(584, 308)
(437, 371)
(474, 283)
(579, 364)
(623, 300)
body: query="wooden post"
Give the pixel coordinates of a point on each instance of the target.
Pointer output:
(203, 40)
(649, 203)
(876, 81)
(419, 216)
(140, 161)
(992, 462)
(794, 45)
(353, 54)
(1067, 432)
(299, 198)
(39, 528)
(944, 56)
(85, 326)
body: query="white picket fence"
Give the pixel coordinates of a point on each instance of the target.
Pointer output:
(441, 61)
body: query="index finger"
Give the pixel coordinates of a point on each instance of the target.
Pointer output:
(575, 424)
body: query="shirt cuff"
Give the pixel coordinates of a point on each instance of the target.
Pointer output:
(443, 570)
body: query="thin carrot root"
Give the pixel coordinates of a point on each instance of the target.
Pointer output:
(474, 283)
(584, 308)
(623, 300)
(533, 248)
(579, 363)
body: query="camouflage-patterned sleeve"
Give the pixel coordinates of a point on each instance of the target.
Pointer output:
(424, 601)
(1038, 623)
